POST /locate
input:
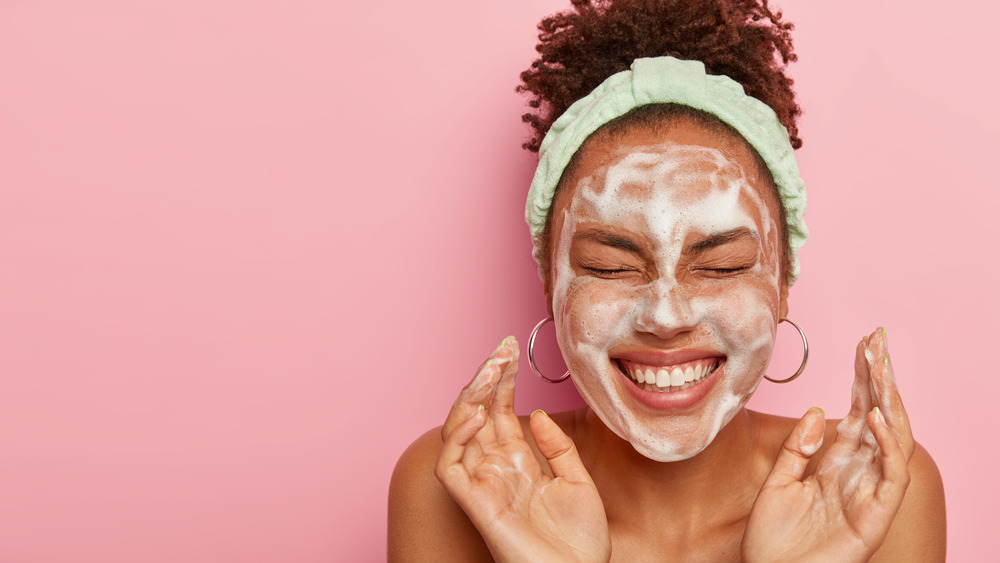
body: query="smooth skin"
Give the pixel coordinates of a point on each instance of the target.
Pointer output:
(489, 485)
(547, 506)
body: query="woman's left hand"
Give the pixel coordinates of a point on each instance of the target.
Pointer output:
(843, 510)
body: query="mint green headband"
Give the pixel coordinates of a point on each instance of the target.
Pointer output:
(663, 80)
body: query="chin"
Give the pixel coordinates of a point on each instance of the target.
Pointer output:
(670, 447)
(658, 454)
(665, 436)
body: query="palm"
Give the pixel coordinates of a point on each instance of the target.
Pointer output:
(522, 511)
(514, 496)
(842, 511)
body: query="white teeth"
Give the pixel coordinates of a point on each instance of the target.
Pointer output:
(663, 378)
(677, 377)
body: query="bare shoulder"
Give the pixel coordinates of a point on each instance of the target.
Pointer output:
(918, 532)
(425, 524)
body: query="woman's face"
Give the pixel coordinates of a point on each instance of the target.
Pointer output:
(665, 283)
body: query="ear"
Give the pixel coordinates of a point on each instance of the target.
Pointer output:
(783, 303)
(548, 294)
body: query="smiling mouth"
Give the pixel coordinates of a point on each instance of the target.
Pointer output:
(666, 379)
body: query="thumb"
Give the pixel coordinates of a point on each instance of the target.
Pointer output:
(558, 448)
(803, 441)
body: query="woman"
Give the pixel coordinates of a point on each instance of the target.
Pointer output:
(666, 212)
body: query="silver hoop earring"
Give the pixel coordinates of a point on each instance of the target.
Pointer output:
(805, 355)
(531, 354)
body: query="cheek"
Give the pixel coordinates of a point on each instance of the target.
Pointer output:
(592, 313)
(743, 320)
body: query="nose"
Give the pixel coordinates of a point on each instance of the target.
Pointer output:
(665, 310)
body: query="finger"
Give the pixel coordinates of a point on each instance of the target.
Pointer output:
(503, 362)
(891, 404)
(803, 441)
(878, 354)
(505, 421)
(888, 398)
(861, 398)
(558, 449)
(895, 464)
(449, 469)
(851, 430)
(478, 392)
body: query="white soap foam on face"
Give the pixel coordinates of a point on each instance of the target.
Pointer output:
(661, 194)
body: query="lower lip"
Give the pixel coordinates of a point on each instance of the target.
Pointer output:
(671, 400)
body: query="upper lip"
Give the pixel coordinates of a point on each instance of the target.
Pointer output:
(664, 358)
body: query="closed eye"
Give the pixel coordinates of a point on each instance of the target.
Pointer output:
(723, 272)
(606, 272)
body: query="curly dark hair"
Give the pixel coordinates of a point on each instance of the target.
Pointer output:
(580, 47)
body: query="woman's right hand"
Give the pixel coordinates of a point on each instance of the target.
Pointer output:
(523, 511)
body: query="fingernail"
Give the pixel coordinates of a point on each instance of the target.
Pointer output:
(817, 409)
(885, 361)
(538, 410)
(504, 341)
(878, 413)
(481, 407)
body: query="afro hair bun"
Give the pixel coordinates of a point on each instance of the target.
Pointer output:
(580, 47)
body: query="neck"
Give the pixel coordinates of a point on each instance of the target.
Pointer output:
(720, 483)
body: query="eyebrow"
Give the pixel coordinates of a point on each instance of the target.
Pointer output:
(719, 239)
(611, 239)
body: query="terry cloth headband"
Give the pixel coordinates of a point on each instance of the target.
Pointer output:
(661, 80)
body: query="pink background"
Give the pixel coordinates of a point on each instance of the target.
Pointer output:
(249, 252)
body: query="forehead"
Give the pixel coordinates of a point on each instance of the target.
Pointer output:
(682, 173)
(684, 168)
